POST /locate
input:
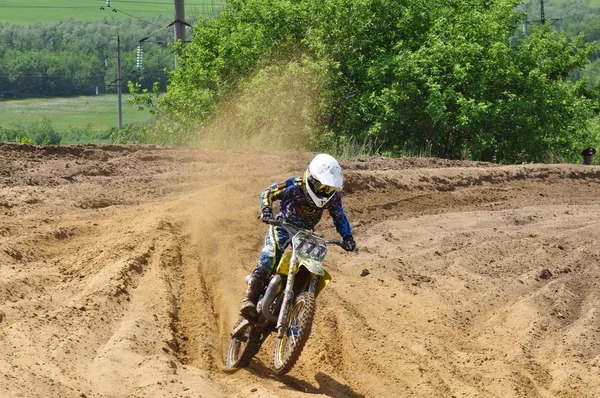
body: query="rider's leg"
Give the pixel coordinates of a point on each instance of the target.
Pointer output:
(255, 288)
(275, 242)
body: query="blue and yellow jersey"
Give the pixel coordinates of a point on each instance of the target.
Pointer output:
(294, 205)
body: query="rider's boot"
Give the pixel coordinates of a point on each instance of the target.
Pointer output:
(255, 287)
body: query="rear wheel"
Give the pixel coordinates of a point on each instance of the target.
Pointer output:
(244, 346)
(289, 347)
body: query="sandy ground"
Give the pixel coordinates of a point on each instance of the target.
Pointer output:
(122, 268)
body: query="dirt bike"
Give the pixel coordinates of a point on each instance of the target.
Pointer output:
(287, 305)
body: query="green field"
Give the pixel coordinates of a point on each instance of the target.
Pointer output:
(28, 12)
(99, 112)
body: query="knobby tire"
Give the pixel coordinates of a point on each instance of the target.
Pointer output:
(288, 348)
(240, 353)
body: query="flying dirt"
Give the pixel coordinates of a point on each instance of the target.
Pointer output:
(122, 271)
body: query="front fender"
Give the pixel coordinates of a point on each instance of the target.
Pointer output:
(323, 281)
(283, 268)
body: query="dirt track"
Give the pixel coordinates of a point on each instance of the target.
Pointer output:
(122, 268)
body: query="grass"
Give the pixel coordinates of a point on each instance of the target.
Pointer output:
(100, 113)
(29, 12)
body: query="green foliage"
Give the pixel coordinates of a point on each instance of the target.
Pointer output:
(446, 77)
(24, 140)
(43, 133)
(12, 134)
(39, 132)
(132, 134)
(573, 17)
(43, 73)
(144, 98)
(229, 47)
(83, 135)
(79, 57)
(453, 81)
(162, 132)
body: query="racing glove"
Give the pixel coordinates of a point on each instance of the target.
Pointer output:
(349, 244)
(267, 214)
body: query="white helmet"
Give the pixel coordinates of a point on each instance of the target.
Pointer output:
(322, 179)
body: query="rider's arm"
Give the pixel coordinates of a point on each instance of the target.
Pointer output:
(274, 192)
(339, 217)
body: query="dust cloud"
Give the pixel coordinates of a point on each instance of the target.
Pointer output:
(275, 109)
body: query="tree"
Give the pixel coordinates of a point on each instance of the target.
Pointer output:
(68, 58)
(444, 76)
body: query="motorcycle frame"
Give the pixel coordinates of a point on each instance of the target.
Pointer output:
(294, 267)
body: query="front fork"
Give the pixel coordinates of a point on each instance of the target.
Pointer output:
(288, 297)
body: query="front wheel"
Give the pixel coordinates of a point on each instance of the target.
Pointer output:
(244, 346)
(289, 347)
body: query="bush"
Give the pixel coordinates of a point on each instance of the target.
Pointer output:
(39, 132)
(42, 133)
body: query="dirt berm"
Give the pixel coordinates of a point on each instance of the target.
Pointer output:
(122, 269)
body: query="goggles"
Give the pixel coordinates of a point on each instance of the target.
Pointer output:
(321, 188)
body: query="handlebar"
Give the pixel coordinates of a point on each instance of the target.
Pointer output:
(282, 222)
(336, 242)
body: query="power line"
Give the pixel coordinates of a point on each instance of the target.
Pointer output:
(170, 3)
(211, 3)
(57, 78)
(22, 89)
(133, 16)
(19, 7)
(71, 75)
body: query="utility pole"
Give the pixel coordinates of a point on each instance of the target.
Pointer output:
(542, 16)
(119, 81)
(179, 23)
(179, 20)
(542, 20)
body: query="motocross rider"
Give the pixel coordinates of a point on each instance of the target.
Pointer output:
(302, 202)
